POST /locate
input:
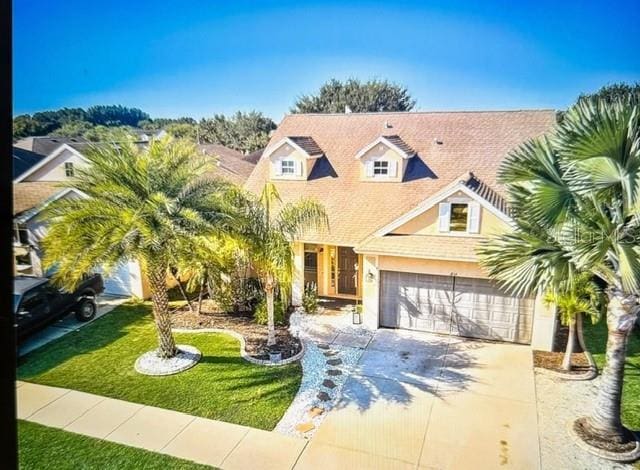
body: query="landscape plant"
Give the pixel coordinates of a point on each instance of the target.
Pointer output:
(142, 204)
(271, 226)
(310, 298)
(575, 197)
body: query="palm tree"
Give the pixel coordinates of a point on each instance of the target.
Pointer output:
(141, 204)
(582, 297)
(576, 207)
(271, 227)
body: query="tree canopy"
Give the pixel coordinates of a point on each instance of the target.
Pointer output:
(242, 131)
(370, 96)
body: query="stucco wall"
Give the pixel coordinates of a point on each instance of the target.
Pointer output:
(382, 152)
(427, 222)
(287, 151)
(429, 266)
(54, 170)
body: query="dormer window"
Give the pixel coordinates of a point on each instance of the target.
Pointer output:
(381, 168)
(459, 217)
(288, 167)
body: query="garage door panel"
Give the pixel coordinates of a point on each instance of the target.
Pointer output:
(476, 308)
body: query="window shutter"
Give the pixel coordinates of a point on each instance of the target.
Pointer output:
(299, 168)
(393, 169)
(369, 168)
(444, 216)
(473, 219)
(278, 165)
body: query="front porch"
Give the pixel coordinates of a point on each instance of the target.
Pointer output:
(335, 270)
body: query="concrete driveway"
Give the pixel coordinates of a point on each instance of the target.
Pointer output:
(425, 401)
(67, 324)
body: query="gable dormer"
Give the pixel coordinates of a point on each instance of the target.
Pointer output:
(292, 158)
(384, 159)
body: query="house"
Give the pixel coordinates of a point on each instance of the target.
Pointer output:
(409, 197)
(228, 163)
(41, 165)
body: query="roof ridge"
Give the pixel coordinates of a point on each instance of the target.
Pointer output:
(455, 111)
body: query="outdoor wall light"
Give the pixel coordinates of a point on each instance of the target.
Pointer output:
(370, 276)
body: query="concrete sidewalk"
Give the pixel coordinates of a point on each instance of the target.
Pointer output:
(201, 440)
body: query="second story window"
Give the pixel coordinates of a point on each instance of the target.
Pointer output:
(69, 171)
(380, 168)
(288, 167)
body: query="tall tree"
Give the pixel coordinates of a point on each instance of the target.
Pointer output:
(245, 132)
(142, 204)
(576, 200)
(615, 92)
(115, 115)
(270, 230)
(371, 96)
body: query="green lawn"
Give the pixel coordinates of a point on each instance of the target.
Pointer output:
(596, 338)
(99, 359)
(44, 447)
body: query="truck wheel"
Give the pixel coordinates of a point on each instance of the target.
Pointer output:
(86, 310)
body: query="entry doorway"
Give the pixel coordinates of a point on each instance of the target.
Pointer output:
(347, 271)
(310, 264)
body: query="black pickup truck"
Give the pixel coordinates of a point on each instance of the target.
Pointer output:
(37, 302)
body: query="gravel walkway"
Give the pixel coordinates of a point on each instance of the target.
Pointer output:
(559, 402)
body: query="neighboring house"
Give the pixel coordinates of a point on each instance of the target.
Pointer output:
(228, 163)
(38, 179)
(409, 196)
(254, 156)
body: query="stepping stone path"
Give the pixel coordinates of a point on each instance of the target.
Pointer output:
(315, 411)
(334, 372)
(305, 427)
(324, 346)
(323, 396)
(334, 362)
(330, 353)
(329, 383)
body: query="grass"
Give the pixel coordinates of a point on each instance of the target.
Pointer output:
(99, 359)
(596, 338)
(44, 447)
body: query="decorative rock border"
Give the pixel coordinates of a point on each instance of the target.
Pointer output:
(624, 457)
(150, 364)
(243, 352)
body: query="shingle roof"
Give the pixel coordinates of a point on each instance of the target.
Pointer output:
(401, 144)
(229, 163)
(486, 192)
(46, 145)
(423, 246)
(23, 160)
(307, 144)
(254, 156)
(27, 196)
(447, 144)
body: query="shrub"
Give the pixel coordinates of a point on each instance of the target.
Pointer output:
(310, 298)
(278, 312)
(239, 294)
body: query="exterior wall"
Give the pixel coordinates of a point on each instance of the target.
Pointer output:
(429, 266)
(382, 152)
(54, 170)
(427, 222)
(544, 326)
(287, 151)
(297, 284)
(370, 292)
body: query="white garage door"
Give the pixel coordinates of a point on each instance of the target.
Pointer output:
(461, 306)
(119, 281)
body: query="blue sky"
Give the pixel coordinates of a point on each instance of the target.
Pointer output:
(198, 58)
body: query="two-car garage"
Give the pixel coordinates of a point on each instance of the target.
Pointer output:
(463, 306)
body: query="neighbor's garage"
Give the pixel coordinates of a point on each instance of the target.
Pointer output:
(454, 305)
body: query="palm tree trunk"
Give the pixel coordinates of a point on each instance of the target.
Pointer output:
(182, 291)
(583, 344)
(200, 295)
(571, 344)
(160, 300)
(271, 327)
(605, 421)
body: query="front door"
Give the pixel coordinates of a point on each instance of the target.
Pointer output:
(347, 270)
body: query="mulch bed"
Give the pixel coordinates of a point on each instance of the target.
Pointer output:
(255, 335)
(610, 445)
(553, 360)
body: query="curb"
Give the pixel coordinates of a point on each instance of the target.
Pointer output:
(243, 352)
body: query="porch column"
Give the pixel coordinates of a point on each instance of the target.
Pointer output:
(297, 283)
(370, 291)
(544, 326)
